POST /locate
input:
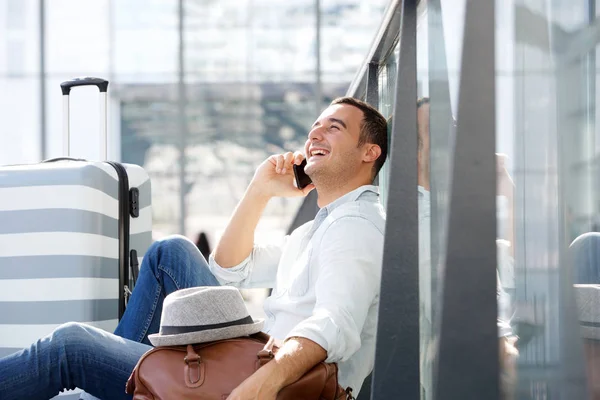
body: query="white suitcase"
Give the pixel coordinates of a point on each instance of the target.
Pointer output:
(70, 233)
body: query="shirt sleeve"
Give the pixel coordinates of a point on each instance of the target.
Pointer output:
(258, 270)
(350, 258)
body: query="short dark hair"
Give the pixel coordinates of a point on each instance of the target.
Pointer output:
(372, 130)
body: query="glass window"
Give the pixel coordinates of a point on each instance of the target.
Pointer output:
(437, 71)
(348, 27)
(547, 202)
(77, 36)
(388, 73)
(546, 132)
(19, 82)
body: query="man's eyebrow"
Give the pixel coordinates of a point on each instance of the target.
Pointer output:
(336, 120)
(339, 121)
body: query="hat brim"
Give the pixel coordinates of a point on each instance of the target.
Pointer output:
(206, 336)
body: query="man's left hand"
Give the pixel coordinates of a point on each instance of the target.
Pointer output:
(296, 356)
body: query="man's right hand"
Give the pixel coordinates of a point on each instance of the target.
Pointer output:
(275, 176)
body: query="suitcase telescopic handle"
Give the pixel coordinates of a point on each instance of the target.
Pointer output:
(102, 85)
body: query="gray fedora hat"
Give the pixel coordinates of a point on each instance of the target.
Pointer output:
(204, 314)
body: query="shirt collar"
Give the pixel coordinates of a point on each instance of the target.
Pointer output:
(347, 198)
(351, 196)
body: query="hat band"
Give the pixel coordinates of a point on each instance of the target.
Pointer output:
(174, 330)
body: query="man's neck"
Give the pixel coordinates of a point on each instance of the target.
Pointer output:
(329, 195)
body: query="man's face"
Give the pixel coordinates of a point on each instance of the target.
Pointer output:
(332, 150)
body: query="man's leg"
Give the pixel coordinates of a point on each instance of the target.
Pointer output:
(74, 355)
(170, 264)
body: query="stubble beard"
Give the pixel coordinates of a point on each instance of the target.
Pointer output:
(329, 177)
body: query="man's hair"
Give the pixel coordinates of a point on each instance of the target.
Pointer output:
(373, 128)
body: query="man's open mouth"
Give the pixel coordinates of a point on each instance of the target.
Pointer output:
(316, 153)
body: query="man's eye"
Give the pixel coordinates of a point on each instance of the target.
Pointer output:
(335, 127)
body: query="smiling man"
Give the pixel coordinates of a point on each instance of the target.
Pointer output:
(325, 276)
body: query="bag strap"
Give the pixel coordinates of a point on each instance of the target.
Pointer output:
(267, 353)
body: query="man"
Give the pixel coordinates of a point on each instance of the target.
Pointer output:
(325, 276)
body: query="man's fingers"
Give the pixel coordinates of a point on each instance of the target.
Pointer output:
(298, 157)
(288, 160)
(283, 162)
(279, 164)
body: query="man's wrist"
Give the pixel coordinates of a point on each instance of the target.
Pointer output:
(275, 378)
(256, 192)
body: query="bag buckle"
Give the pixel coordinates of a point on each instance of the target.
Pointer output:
(194, 368)
(349, 394)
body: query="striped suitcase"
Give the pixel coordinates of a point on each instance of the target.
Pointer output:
(70, 232)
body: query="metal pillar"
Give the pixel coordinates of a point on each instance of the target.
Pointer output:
(468, 366)
(373, 85)
(396, 372)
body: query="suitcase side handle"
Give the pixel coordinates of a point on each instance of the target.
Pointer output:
(66, 86)
(63, 159)
(102, 85)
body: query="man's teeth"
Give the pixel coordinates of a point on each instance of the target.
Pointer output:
(318, 153)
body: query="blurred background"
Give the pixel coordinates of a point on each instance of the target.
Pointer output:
(200, 91)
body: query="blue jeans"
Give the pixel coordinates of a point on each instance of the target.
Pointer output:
(99, 362)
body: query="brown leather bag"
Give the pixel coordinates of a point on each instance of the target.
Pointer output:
(211, 371)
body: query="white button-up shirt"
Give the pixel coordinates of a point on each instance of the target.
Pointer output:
(325, 277)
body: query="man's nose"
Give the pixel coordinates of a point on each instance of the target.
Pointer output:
(315, 134)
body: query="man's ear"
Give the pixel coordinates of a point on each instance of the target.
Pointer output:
(372, 152)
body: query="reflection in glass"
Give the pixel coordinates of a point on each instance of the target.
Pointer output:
(553, 150)
(387, 91)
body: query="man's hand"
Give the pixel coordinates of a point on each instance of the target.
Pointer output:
(275, 176)
(296, 357)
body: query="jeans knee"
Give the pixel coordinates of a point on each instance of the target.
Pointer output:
(176, 253)
(173, 244)
(176, 243)
(167, 247)
(68, 334)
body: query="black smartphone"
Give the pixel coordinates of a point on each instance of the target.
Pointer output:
(302, 180)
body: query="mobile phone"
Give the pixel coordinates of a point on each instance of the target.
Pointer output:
(302, 180)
